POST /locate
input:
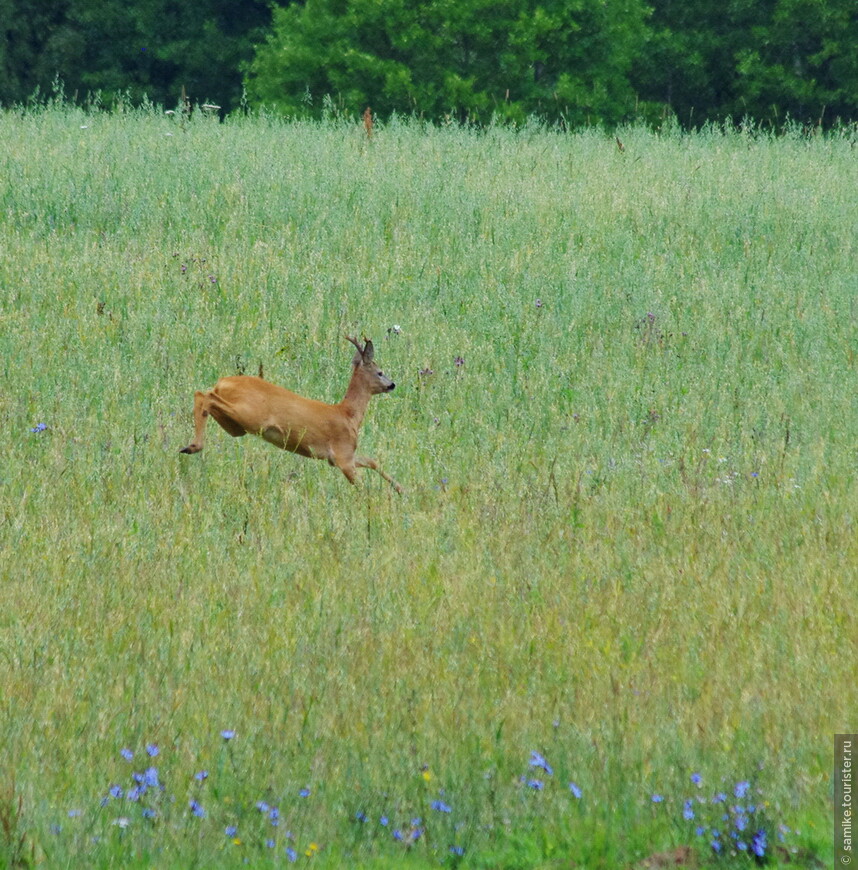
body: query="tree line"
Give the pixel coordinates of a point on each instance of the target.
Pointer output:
(570, 61)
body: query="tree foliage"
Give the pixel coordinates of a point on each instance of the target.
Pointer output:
(149, 47)
(559, 58)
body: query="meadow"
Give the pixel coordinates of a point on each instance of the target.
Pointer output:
(613, 613)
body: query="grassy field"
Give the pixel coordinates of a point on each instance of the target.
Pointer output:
(614, 612)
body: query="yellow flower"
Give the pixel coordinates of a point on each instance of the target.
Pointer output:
(427, 775)
(311, 850)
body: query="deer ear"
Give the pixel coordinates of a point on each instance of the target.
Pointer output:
(368, 350)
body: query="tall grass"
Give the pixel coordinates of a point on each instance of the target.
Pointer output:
(626, 421)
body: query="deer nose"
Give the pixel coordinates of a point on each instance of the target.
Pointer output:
(391, 387)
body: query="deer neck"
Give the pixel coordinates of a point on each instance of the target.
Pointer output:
(356, 400)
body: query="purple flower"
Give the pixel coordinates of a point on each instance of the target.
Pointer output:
(716, 846)
(575, 790)
(441, 807)
(39, 427)
(759, 843)
(536, 760)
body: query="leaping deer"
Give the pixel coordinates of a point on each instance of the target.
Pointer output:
(243, 403)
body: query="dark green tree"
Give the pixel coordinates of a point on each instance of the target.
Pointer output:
(471, 58)
(768, 60)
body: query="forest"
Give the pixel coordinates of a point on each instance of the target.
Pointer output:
(573, 62)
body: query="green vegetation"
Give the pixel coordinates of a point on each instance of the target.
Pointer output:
(626, 421)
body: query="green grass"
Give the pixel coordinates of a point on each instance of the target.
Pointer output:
(629, 536)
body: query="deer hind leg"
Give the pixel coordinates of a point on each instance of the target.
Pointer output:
(210, 405)
(367, 462)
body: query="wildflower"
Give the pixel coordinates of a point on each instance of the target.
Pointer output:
(696, 778)
(305, 792)
(291, 854)
(427, 774)
(73, 814)
(134, 794)
(274, 816)
(457, 850)
(122, 822)
(758, 843)
(536, 760)
(197, 809)
(576, 791)
(39, 427)
(741, 789)
(115, 792)
(201, 775)
(150, 777)
(262, 806)
(227, 734)
(441, 807)
(152, 750)
(741, 822)
(657, 798)
(536, 784)
(716, 845)
(687, 811)
(270, 844)
(230, 830)
(360, 816)
(213, 279)
(719, 798)
(395, 329)
(148, 813)
(312, 849)
(58, 829)
(127, 754)
(397, 835)
(538, 303)
(700, 830)
(459, 362)
(383, 821)
(741, 845)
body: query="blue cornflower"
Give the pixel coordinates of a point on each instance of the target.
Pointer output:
(197, 809)
(230, 830)
(687, 811)
(441, 807)
(741, 822)
(152, 750)
(115, 791)
(270, 844)
(291, 854)
(134, 794)
(536, 784)
(127, 754)
(139, 778)
(696, 778)
(458, 850)
(73, 814)
(360, 816)
(39, 427)
(148, 813)
(305, 792)
(742, 789)
(719, 798)
(274, 816)
(150, 777)
(657, 798)
(759, 843)
(575, 790)
(700, 830)
(262, 806)
(716, 845)
(397, 835)
(227, 734)
(741, 845)
(56, 829)
(383, 821)
(201, 775)
(536, 760)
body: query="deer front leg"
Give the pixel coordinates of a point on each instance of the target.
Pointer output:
(367, 462)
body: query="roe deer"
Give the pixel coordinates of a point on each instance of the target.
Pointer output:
(244, 403)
